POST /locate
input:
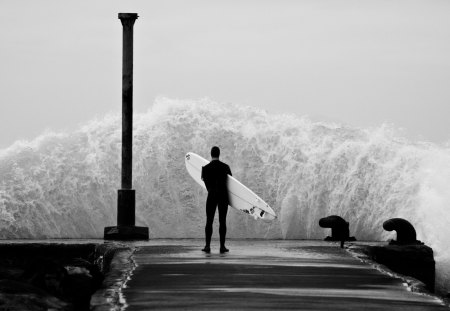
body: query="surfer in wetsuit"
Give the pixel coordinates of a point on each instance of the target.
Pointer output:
(214, 174)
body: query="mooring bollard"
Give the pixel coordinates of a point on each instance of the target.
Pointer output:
(339, 229)
(406, 234)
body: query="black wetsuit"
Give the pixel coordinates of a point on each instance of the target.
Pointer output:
(214, 174)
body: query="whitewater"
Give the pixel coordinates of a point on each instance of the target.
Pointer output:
(64, 185)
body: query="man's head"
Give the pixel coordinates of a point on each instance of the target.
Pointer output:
(215, 152)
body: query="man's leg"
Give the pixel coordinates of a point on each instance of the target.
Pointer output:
(211, 204)
(223, 209)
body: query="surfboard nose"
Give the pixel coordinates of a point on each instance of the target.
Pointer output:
(269, 217)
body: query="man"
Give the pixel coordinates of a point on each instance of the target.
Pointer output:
(214, 174)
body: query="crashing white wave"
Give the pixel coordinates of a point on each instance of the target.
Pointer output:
(64, 185)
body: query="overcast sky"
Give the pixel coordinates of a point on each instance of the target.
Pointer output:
(358, 62)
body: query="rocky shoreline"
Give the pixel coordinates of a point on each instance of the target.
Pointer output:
(57, 276)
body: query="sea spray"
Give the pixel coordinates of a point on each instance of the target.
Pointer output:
(64, 185)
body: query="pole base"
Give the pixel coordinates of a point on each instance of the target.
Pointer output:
(125, 233)
(126, 202)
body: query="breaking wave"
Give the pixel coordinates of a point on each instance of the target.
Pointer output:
(64, 185)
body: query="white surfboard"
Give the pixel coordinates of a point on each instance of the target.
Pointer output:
(241, 198)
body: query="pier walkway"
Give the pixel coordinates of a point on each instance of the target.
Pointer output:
(270, 275)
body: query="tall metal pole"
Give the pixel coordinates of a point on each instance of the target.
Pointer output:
(127, 20)
(126, 196)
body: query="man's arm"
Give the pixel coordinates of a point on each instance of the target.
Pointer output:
(229, 170)
(203, 178)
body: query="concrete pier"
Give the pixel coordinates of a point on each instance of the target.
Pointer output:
(270, 275)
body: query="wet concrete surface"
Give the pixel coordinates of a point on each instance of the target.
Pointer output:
(261, 274)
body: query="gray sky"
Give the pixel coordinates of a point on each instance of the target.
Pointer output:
(358, 62)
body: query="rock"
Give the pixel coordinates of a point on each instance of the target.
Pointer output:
(84, 278)
(46, 274)
(52, 276)
(78, 289)
(82, 266)
(20, 296)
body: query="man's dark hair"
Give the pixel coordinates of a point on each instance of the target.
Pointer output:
(215, 152)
